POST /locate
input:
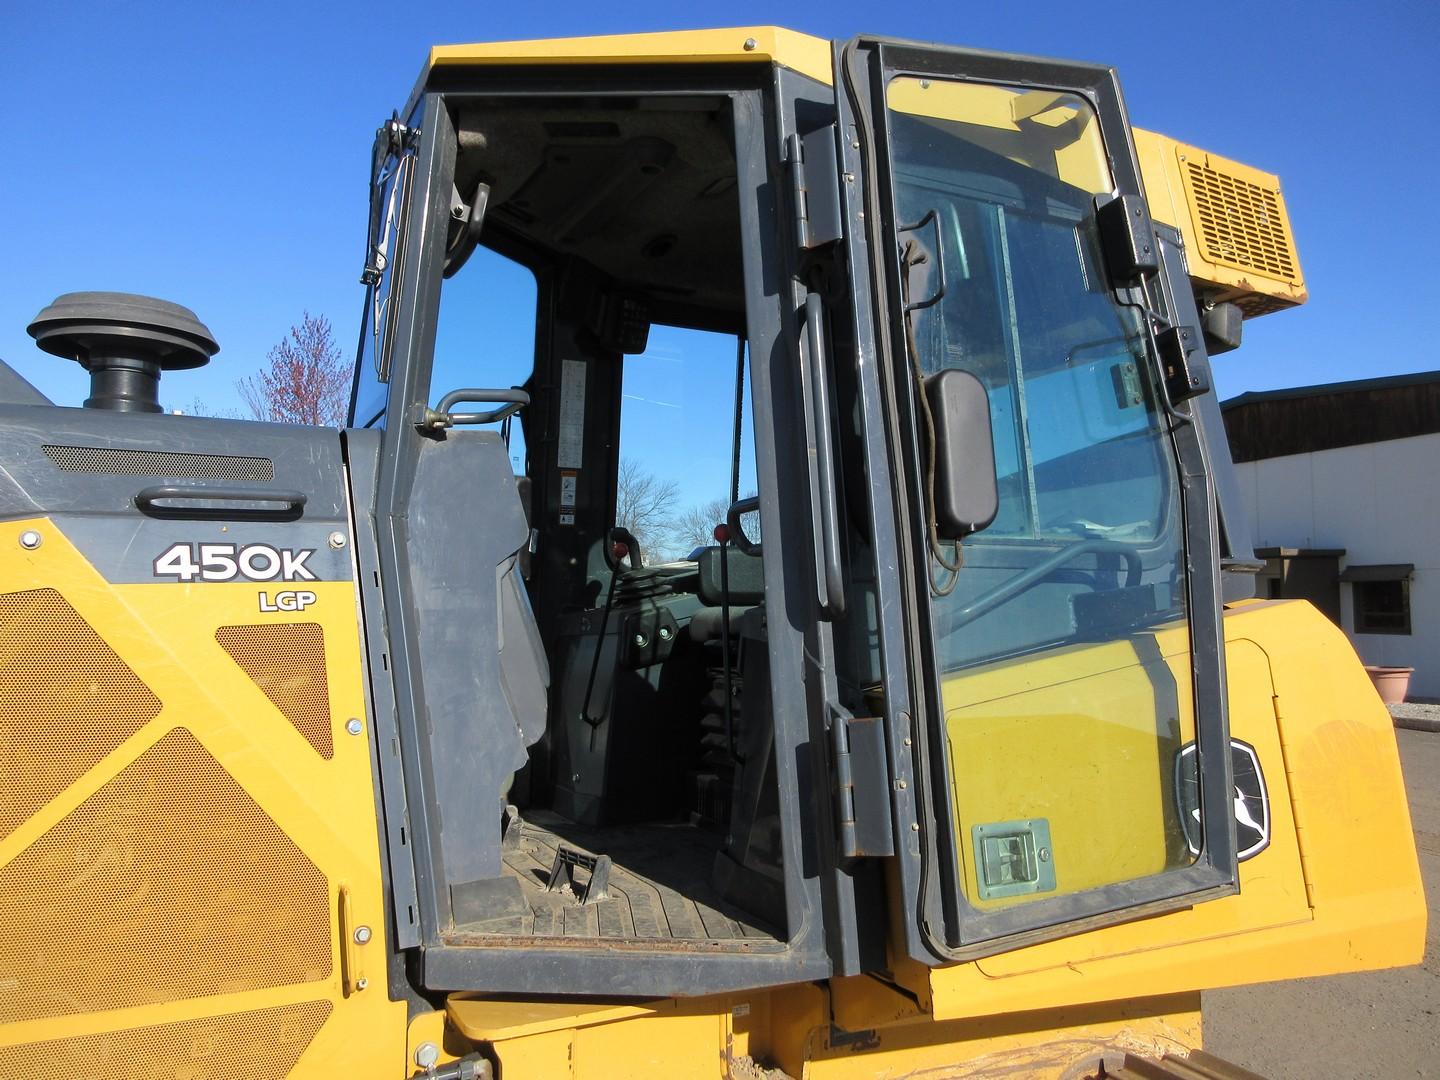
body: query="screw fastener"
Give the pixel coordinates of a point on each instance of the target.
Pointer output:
(337, 540)
(30, 539)
(751, 44)
(362, 935)
(361, 983)
(353, 726)
(426, 1055)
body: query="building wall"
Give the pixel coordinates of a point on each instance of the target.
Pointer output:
(1381, 503)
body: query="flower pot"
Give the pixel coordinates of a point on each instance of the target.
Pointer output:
(1392, 683)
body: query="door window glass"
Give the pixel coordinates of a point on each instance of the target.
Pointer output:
(1063, 647)
(485, 337)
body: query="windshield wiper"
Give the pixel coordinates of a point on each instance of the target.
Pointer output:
(392, 138)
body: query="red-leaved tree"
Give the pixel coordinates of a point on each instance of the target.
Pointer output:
(307, 380)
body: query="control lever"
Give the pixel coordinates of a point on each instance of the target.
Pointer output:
(622, 544)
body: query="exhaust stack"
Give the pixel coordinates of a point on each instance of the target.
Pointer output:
(125, 342)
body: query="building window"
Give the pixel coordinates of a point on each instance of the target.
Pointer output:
(1382, 607)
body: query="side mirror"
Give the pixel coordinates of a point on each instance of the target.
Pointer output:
(966, 492)
(1127, 237)
(1222, 325)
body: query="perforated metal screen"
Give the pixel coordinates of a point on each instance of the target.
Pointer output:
(121, 462)
(263, 1044)
(168, 882)
(66, 700)
(287, 662)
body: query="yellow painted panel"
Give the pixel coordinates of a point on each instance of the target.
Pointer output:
(662, 1039)
(1057, 134)
(1333, 752)
(1272, 884)
(678, 1046)
(491, 1019)
(1039, 1045)
(1239, 243)
(770, 44)
(214, 713)
(1085, 738)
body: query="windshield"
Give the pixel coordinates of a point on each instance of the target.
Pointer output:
(388, 193)
(1063, 646)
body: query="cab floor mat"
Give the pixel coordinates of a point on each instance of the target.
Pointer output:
(657, 889)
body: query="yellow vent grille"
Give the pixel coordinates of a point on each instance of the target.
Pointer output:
(288, 663)
(66, 700)
(1241, 223)
(261, 1045)
(169, 882)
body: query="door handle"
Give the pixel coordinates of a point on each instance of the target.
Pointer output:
(829, 577)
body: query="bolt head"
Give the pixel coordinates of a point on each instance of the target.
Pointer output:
(30, 539)
(361, 983)
(337, 540)
(665, 633)
(354, 726)
(362, 935)
(641, 641)
(426, 1055)
(751, 44)
(1043, 854)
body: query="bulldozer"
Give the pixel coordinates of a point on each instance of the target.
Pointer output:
(955, 744)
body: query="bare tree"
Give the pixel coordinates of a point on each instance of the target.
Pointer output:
(307, 380)
(696, 527)
(643, 504)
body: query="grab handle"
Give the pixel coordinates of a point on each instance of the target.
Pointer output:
(189, 501)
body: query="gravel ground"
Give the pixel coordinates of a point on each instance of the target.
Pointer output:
(1383, 1023)
(1416, 715)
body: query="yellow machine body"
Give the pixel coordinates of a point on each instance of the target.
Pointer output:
(257, 932)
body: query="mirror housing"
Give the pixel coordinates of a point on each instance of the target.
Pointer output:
(1222, 325)
(1127, 237)
(966, 490)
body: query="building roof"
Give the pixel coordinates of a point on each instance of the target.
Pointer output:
(1302, 419)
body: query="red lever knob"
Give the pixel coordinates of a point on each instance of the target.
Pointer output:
(722, 533)
(619, 549)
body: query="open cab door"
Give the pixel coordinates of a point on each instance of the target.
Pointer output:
(1053, 678)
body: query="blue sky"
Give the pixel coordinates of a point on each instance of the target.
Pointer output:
(217, 154)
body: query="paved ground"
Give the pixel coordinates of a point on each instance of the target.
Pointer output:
(1385, 1023)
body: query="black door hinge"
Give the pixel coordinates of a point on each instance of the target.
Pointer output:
(814, 162)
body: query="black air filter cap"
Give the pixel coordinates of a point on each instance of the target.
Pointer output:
(108, 324)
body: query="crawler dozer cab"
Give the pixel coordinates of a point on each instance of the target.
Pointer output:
(948, 740)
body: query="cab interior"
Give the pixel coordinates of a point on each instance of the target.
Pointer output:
(647, 809)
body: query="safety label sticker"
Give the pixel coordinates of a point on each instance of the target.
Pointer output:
(570, 453)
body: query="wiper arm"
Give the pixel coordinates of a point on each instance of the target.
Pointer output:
(391, 139)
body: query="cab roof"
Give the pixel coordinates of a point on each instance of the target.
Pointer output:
(743, 44)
